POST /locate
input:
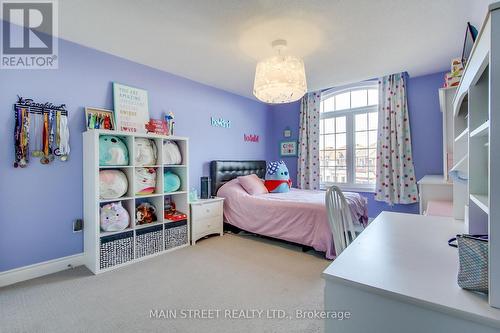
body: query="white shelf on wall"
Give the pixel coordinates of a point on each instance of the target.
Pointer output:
(110, 233)
(461, 165)
(481, 201)
(462, 135)
(474, 107)
(136, 242)
(118, 199)
(481, 130)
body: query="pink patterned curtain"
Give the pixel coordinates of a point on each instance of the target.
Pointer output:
(308, 161)
(396, 183)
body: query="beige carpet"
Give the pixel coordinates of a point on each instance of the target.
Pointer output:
(232, 272)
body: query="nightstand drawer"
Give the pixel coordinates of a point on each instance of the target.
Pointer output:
(201, 226)
(206, 210)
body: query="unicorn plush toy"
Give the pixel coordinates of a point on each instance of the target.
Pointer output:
(277, 178)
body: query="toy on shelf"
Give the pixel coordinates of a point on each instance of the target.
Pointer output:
(452, 79)
(112, 151)
(145, 213)
(171, 213)
(145, 151)
(145, 181)
(114, 217)
(112, 184)
(171, 182)
(171, 153)
(169, 119)
(277, 177)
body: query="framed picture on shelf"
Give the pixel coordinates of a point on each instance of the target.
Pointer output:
(131, 108)
(288, 148)
(96, 118)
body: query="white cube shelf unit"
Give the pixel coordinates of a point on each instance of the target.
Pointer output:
(108, 250)
(476, 110)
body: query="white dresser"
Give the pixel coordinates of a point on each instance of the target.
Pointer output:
(206, 218)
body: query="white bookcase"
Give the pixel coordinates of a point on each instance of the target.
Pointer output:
(476, 110)
(108, 250)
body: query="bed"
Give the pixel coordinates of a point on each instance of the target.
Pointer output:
(298, 216)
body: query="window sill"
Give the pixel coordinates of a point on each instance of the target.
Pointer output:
(351, 187)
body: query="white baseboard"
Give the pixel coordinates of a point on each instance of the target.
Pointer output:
(36, 270)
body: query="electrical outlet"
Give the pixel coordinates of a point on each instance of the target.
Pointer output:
(77, 225)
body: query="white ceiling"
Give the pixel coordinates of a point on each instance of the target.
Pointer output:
(218, 42)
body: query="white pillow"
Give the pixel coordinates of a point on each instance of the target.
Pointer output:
(171, 152)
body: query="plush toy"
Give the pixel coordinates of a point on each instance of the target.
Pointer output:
(145, 180)
(171, 182)
(277, 178)
(145, 213)
(114, 217)
(171, 152)
(145, 151)
(112, 151)
(112, 184)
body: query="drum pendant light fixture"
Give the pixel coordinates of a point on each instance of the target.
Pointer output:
(280, 79)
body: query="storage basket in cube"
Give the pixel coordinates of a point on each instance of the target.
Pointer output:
(176, 234)
(148, 241)
(116, 249)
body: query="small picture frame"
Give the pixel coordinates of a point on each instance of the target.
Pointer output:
(287, 132)
(96, 118)
(288, 148)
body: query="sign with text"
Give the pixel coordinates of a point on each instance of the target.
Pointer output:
(221, 122)
(157, 126)
(131, 108)
(251, 138)
(28, 30)
(288, 148)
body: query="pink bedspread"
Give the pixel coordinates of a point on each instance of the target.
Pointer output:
(298, 216)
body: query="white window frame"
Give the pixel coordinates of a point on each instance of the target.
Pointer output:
(350, 134)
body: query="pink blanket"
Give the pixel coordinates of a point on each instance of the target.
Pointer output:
(298, 216)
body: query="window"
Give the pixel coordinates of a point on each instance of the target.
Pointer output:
(348, 136)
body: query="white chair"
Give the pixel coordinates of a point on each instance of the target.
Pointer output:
(340, 218)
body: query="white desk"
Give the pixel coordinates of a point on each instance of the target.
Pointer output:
(399, 275)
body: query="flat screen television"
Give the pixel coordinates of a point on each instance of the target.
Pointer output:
(470, 38)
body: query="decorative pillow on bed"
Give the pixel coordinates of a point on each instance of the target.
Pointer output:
(252, 184)
(277, 177)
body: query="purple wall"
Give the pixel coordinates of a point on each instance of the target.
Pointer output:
(282, 116)
(426, 129)
(39, 203)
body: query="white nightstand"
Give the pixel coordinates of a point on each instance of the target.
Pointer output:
(206, 218)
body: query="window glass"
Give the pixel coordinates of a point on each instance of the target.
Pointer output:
(348, 142)
(372, 96)
(361, 122)
(329, 104)
(342, 101)
(359, 98)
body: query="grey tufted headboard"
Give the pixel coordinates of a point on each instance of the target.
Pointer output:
(223, 171)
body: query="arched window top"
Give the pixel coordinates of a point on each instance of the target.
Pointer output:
(352, 97)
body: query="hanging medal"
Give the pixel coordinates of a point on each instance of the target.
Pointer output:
(25, 138)
(37, 134)
(64, 147)
(17, 137)
(51, 135)
(45, 139)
